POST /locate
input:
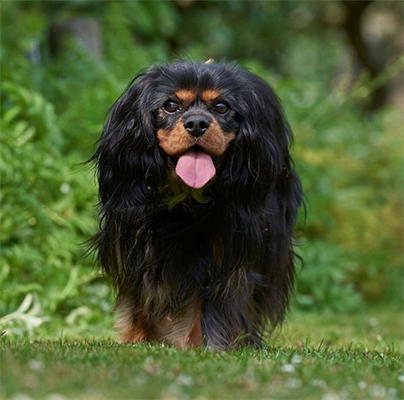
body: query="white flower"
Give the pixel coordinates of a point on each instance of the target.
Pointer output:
(65, 188)
(377, 391)
(35, 365)
(288, 368)
(362, 385)
(296, 359)
(185, 380)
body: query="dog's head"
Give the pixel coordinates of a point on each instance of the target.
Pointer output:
(201, 124)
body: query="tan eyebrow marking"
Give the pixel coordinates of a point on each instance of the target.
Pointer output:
(210, 95)
(185, 95)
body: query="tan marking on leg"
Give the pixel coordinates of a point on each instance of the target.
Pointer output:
(183, 330)
(209, 96)
(185, 95)
(130, 331)
(194, 338)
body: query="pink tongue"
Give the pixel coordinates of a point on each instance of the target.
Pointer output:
(195, 168)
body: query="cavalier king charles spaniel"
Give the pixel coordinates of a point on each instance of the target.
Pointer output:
(198, 201)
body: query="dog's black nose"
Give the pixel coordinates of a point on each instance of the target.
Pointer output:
(197, 125)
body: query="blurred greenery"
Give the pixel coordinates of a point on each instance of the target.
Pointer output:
(64, 63)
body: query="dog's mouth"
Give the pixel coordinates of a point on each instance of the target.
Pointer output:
(195, 167)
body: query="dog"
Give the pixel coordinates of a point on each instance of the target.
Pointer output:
(198, 203)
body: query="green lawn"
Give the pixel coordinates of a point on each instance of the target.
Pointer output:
(316, 356)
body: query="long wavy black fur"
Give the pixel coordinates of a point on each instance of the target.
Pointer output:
(159, 257)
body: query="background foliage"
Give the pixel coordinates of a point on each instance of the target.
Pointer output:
(57, 87)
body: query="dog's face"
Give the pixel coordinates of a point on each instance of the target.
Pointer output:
(203, 123)
(196, 119)
(193, 126)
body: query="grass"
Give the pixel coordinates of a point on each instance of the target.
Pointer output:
(316, 356)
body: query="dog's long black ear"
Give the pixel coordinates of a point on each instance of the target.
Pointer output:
(260, 153)
(270, 187)
(128, 160)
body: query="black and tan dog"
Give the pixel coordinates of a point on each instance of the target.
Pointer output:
(198, 204)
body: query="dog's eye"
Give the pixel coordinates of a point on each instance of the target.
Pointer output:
(221, 108)
(171, 106)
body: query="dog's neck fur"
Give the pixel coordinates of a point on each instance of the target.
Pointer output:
(174, 192)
